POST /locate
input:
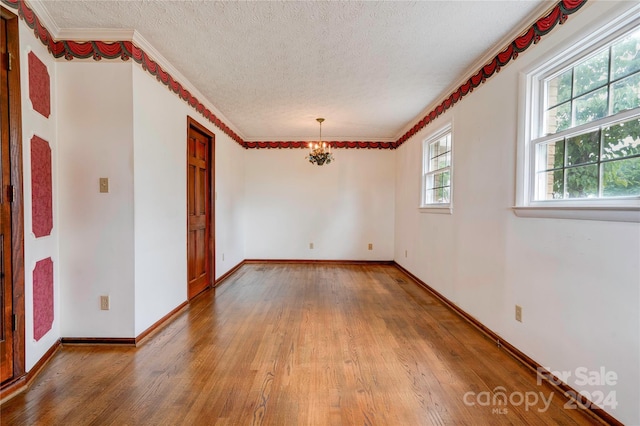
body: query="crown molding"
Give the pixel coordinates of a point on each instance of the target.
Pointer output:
(103, 34)
(147, 47)
(315, 139)
(37, 6)
(332, 144)
(101, 44)
(503, 52)
(125, 44)
(486, 57)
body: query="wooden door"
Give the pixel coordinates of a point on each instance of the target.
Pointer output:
(199, 208)
(6, 291)
(12, 357)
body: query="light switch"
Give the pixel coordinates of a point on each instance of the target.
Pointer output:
(104, 184)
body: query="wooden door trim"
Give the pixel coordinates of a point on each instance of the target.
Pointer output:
(193, 124)
(17, 206)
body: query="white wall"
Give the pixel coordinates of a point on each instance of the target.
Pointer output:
(95, 130)
(35, 249)
(160, 133)
(577, 281)
(159, 196)
(230, 201)
(340, 207)
(131, 242)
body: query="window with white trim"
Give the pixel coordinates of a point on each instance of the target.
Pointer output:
(436, 169)
(583, 136)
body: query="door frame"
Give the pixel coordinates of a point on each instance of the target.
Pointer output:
(17, 205)
(193, 124)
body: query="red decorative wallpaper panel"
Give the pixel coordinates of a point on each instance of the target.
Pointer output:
(41, 187)
(42, 298)
(39, 85)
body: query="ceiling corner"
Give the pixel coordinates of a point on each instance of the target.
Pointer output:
(43, 14)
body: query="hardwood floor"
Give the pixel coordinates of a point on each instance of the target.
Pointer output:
(290, 345)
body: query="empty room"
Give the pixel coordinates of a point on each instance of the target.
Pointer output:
(320, 212)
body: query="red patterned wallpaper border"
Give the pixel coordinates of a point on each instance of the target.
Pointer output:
(305, 144)
(557, 15)
(114, 50)
(126, 49)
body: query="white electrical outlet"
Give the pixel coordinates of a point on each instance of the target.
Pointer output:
(104, 184)
(310, 246)
(519, 313)
(104, 303)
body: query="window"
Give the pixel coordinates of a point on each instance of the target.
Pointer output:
(599, 163)
(436, 170)
(582, 144)
(601, 85)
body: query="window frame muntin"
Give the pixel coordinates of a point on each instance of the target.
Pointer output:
(440, 170)
(557, 66)
(598, 125)
(543, 106)
(431, 138)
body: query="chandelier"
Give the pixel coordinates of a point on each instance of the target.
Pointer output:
(319, 153)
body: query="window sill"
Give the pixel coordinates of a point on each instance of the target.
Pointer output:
(602, 213)
(434, 208)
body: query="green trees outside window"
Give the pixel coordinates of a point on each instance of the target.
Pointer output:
(603, 161)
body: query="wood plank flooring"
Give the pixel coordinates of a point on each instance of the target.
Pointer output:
(294, 344)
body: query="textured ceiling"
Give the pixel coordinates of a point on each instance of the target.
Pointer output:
(370, 68)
